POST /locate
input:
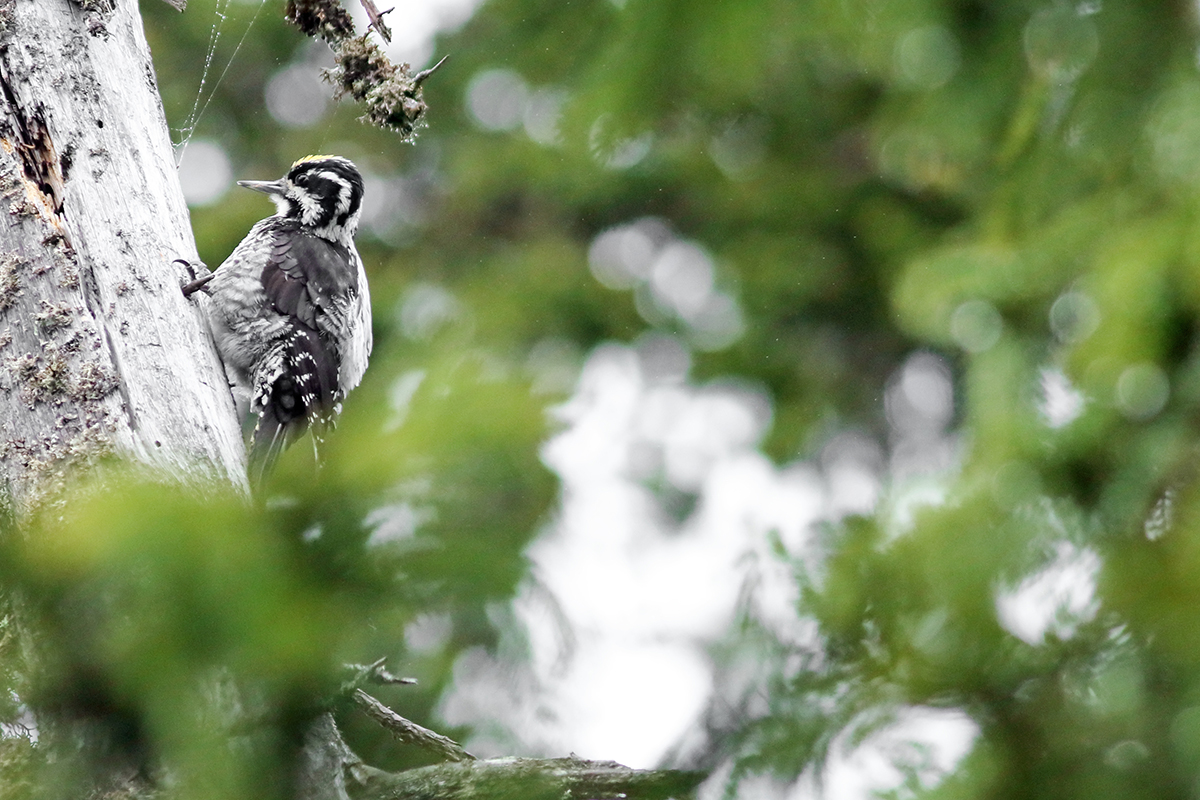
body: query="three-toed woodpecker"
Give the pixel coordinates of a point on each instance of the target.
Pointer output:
(290, 311)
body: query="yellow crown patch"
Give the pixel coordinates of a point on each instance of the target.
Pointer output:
(300, 161)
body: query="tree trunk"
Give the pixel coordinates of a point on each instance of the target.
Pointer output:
(99, 350)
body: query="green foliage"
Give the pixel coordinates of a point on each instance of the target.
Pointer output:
(160, 617)
(1012, 185)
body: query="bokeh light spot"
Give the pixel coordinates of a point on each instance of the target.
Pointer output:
(296, 97)
(1126, 755)
(921, 399)
(1074, 317)
(204, 172)
(976, 326)
(1174, 133)
(682, 278)
(926, 58)
(621, 257)
(617, 152)
(1060, 43)
(542, 114)
(425, 308)
(1185, 734)
(497, 99)
(1142, 391)
(739, 149)
(718, 324)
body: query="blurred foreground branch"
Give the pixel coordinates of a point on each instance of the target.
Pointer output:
(410, 732)
(526, 778)
(331, 771)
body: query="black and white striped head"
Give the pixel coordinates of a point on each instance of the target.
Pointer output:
(324, 193)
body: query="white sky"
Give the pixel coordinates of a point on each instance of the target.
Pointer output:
(619, 653)
(412, 41)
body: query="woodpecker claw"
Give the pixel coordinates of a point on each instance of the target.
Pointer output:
(190, 265)
(191, 288)
(196, 283)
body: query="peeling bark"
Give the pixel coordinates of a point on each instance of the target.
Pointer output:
(99, 351)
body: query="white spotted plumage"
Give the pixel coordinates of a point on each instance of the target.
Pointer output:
(291, 311)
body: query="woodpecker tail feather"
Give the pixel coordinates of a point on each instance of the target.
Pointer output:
(270, 438)
(296, 387)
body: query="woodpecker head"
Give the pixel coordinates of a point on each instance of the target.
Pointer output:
(323, 193)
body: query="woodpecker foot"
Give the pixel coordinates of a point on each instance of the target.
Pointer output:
(196, 283)
(191, 288)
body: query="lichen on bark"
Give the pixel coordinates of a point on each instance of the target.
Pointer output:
(390, 93)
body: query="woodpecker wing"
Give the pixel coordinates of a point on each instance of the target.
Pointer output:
(357, 350)
(317, 282)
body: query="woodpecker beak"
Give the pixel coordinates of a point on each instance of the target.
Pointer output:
(266, 187)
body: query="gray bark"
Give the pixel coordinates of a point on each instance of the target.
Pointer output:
(324, 763)
(99, 351)
(526, 779)
(408, 732)
(330, 771)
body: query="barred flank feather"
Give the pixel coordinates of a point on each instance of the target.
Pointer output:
(296, 388)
